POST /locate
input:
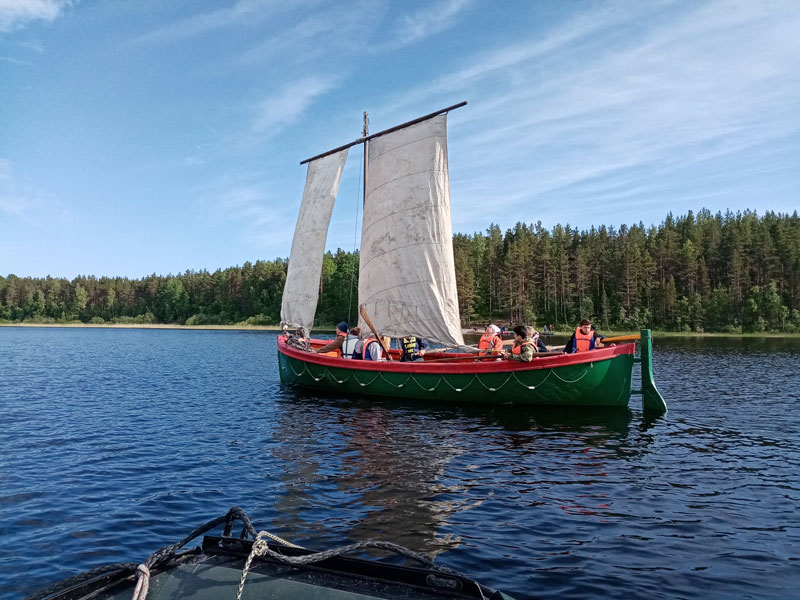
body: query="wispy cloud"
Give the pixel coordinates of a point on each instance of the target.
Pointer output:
(244, 12)
(284, 108)
(328, 30)
(244, 203)
(262, 224)
(17, 14)
(33, 46)
(12, 202)
(636, 96)
(434, 18)
(16, 61)
(20, 201)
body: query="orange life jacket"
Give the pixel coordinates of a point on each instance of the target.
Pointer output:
(518, 349)
(490, 341)
(583, 342)
(367, 353)
(335, 353)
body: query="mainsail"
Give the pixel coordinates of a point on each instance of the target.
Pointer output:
(407, 280)
(301, 291)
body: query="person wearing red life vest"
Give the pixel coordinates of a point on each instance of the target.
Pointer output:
(490, 341)
(585, 338)
(523, 349)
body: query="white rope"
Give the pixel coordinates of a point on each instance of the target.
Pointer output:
(258, 549)
(280, 540)
(513, 375)
(142, 582)
(585, 371)
(366, 384)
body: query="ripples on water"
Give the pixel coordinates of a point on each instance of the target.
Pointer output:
(116, 442)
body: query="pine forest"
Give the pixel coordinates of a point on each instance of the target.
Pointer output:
(737, 272)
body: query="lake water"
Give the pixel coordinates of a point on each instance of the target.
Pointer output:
(116, 442)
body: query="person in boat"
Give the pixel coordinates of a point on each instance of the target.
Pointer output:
(534, 337)
(336, 345)
(490, 341)
(372, 348)
(413, 348)
(585, 338)
(298, 339)
(350, 343)
(358, 347)
(523, 349)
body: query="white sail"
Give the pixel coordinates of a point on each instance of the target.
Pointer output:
(301, 291)
(407, 279)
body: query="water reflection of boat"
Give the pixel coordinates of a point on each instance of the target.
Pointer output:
(390, 470)
(249, 566)
(401, 474)
(400, 467)
(407, 286)
(613, 420)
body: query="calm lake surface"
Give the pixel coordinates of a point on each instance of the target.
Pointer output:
(115, 442)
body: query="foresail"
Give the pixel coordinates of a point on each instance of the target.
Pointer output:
(407, 280)
(301, 291)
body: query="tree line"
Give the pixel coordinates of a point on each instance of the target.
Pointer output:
(705, 272)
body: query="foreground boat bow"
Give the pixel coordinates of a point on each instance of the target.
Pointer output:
(248, 568)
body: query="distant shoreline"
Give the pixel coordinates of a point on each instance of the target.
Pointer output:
(466, 330)
(671, 334)
(148, 326)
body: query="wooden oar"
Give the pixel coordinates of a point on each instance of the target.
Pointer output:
(622, 338)
(367, 320)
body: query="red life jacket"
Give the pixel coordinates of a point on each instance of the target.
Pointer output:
(583, 342)
(490, 341)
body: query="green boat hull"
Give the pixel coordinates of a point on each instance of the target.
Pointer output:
(601, 381)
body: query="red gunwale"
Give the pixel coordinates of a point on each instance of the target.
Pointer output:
(544, 362)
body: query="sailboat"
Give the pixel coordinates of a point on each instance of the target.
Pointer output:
(407, 286)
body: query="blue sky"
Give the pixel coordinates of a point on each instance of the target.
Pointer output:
(155, 137)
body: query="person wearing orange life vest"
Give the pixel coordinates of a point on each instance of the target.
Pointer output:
(491, 341)
(585, 338)
(523, 349)
(372, 348)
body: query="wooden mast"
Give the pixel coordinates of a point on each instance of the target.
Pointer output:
(365, 134)
(366, 137)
